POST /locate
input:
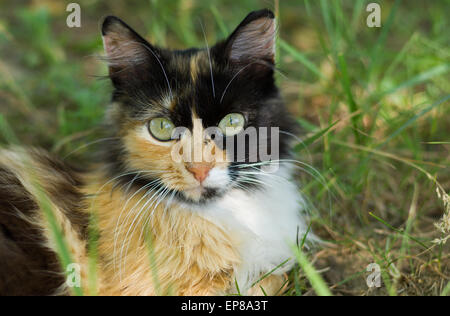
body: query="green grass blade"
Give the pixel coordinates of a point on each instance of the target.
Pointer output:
(301, 58)
(402, 232)
(7, 132)
(446, 291)
(308, 8)
(418, 79)
(303, 242)
(356, 15)
(153, 264)
(62, 249)
(219, 20)
(237, 288)
(401, 55)
(375, 52)
(437, 143)
(94, 235)
(353, 107)
(270, 272)
(313, 276)
(262, 290)
(326, 15)
(415, 118)
(307, 142)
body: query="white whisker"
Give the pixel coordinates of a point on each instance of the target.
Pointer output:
(210, 62)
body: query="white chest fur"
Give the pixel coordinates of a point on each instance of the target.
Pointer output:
(265, 224)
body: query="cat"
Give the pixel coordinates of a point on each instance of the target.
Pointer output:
(161, 225)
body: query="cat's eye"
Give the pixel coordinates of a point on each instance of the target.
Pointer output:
(161, 128)
(232, 124)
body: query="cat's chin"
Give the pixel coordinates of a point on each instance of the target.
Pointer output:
(194, 193)
(199, 196)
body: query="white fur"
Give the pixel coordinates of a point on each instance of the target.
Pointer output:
(265, 224)
(217, 178)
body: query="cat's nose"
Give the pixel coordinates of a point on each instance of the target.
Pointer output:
(199, 170)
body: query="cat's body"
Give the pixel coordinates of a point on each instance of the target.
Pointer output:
(164, 227)
(238, 238)
(204, 251)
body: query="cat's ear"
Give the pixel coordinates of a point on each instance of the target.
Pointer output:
(126, 51)
(253, 40)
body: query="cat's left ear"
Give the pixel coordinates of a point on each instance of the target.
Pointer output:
(253, 40)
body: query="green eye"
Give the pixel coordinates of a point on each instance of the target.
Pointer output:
(232, 124)
(161, 128)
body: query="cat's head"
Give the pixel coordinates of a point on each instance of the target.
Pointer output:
(169, 103)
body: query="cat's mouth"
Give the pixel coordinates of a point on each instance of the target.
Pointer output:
(198, 195)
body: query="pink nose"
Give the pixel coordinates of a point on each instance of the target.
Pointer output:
(199, 170)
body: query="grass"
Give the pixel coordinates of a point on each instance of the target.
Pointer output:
(61, 246)
(373, 104)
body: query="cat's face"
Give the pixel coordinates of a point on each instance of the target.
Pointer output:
(226, 89)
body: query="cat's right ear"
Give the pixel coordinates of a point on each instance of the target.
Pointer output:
(252, 41)
(126, 51)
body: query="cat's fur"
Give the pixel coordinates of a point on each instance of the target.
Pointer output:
(158, 231)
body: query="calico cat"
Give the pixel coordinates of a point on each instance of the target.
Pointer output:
(164, 226)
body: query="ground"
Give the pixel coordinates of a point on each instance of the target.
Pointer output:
(373, 105)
